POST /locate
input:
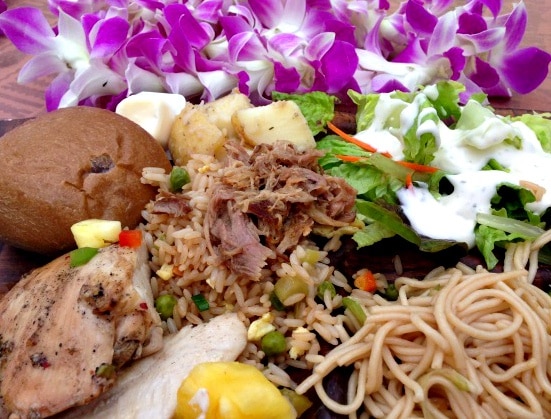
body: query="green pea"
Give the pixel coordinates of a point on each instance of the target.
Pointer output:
(164, 304)
(273, 343)
(178, 178)
(391, 292)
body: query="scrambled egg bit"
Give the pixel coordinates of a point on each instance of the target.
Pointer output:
(230, 390)
(260, 327)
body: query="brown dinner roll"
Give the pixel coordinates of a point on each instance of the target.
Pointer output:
(69, 165)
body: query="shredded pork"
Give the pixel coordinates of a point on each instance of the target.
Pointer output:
(271, 199)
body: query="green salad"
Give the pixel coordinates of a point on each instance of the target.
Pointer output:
(438, 171)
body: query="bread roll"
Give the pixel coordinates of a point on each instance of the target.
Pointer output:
(69, 165)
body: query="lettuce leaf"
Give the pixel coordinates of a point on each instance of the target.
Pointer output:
(317, 107)
(437, 104)
(541, 125)
(498, 230)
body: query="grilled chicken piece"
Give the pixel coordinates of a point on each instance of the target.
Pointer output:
(64, 332)
(148, 388)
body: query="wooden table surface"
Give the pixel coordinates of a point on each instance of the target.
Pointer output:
(21, 101)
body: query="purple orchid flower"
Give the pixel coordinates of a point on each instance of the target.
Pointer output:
(81, 60)
(507, 67)
(102, 50)
(433, 42)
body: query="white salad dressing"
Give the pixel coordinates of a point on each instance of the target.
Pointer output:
(381, 134)
(462, 153)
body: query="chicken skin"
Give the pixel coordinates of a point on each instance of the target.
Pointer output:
(65, 331)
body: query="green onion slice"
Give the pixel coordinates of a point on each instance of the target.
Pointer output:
(201, 302)
(355, 308)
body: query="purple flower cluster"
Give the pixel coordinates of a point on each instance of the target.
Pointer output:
(102, 51)
(3, 7)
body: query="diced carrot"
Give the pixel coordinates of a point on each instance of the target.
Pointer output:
(366, 281)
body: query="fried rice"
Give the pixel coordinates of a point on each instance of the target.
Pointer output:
(181, 254)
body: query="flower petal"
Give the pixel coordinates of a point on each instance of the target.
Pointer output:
(232, 25)
(41, 65)
(147, 50)
(27, 29)
(481, 42)
(515, 26)
(139, 79)
(419, 18)
(184, 25)
(457, 61)
(483, 74)
(385, 83)
(57, 89)
(443, 36)
(216, 84)
(319, 46)
(470, 23)
(525, 69)
(338, 66)
(286, 80)
(184, 84)
(70, 29)
(111, 34)
(245, 46)
(209, 10)
(95, 80)
(269, 12)
(286, 44)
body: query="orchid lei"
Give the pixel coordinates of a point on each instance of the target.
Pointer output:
(102, 51)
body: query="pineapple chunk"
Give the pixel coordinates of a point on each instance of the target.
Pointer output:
(230, 390)
(96, 233)
(280, 120)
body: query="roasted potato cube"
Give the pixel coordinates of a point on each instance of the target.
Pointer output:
(220, 111)
(193, 133)
(280, 120)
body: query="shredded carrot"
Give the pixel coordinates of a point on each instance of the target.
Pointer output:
(409, 181)
(418, 167)
(366, 281)
(353, 140)
(351, 159)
